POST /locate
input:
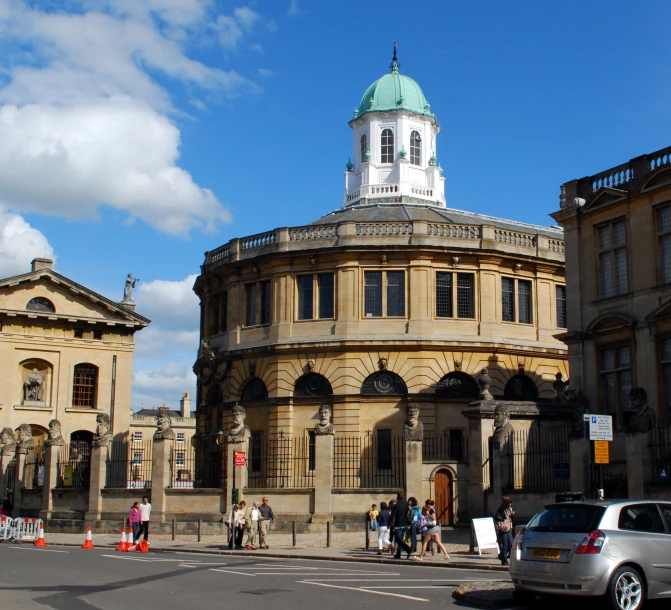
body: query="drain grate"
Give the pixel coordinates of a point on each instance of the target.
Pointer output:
(266, 591)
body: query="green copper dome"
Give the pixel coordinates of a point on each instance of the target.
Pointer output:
(394, 91)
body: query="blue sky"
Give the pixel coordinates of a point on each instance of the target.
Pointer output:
(137, 134)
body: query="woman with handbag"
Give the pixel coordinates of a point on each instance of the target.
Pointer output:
(503, 523)
(430, 531)
(135, 520)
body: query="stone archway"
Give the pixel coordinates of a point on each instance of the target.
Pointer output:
(444, 496)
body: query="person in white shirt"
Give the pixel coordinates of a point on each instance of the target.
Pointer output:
(252, 525)
(145, 513)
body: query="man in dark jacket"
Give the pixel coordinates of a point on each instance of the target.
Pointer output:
(399, 522)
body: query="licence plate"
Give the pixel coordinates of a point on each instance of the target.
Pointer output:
(546, 553)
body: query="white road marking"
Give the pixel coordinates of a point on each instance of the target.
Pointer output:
(25, 548)
(232, 572)
(145, 560)
(411, 587)
(321, 584)
(197, 565)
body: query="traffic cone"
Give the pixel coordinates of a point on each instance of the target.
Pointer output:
(40, 538)
(89, 542)
(123, 545)
(143, 546)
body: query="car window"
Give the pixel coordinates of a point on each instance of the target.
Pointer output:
(641, 518)
(568, 518)
(666, 513)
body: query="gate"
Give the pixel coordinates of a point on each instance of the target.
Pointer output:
(612, 478)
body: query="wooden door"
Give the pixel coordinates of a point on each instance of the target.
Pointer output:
(443, 497)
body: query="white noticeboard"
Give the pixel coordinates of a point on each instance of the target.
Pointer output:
(600, 427)
(485, 534)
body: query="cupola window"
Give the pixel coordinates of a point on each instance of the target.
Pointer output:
(415, 148)
(364, 148)
(387, 143)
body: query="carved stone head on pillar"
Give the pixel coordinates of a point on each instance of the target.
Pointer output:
(26, 442)
(643, 418)
(103, 434)
(324, 426)
(163, 430)
(55, 435)
(413, 429)
(8, 442)
(239, 433)
(502, 426)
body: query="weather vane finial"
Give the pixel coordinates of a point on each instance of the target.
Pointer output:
(394, 61)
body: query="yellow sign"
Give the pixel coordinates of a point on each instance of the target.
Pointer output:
(601, 455)
(68, 476)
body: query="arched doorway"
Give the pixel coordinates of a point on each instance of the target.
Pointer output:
(444, 497)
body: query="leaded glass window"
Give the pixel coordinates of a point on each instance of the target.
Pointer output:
(465, 306)
(325, 285)
(613, 268)
(443, 295)
(265, 302)
(387, 146)
(508, 297)
(664, 232)
(396, 293)
(524, 301)
(305, 297)
(415, 148)
(373, 294)
(560, 301)
(616, 378)
(250, 304)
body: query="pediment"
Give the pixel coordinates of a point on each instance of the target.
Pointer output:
(610, 321)
(605, 196)
(658, 177)
(660, 313)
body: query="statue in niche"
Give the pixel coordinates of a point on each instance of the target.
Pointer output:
(32, 387)
(103, 434)
(164, 432)
(25, 442)
(131, 282)
(643, 418)
(502, 426)
(239, 433)
(324, 426)
(413, 429)
(8, 442)
(580, 403)
(55, 435)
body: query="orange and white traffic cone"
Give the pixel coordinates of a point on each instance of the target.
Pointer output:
(123, 544)
(143, 547)
(40, 538)
(89, 541)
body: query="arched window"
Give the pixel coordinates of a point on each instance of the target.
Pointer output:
(255, 389)
(384, 382)
(387, 143)
(520, 387)
(364, 147)
(313, 384)
(415, 148)
(457, 385)
(41, 304)
(85, 386)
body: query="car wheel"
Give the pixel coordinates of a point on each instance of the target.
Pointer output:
(626, 589)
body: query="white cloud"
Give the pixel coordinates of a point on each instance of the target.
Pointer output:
(293, 8)
(171, 305)
(164, 386)
(265, 72)
(19, 244)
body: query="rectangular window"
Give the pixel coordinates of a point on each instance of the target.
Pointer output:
(325, 284)
(180, 437)
(137, 458)
(222, 313)
(250, 304)
(311, 450)
(443, 295)
(508, 296)
(616, 379)
(373, 294)
(387, 146)
(613, 268)
(384, 450)
(524, 301)
(560, 301)
(391, 284)
(305, 296)
(396, 293)
(664, 234)
(465, 308)
(256, 449)
(265, 302)
(315, 293)
(84, 386)
(666, 377)
(213, 315)
(179, 459)
(137, 437)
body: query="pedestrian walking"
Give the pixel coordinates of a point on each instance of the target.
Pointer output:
(432, 543)
(430, 532)
(266, 517)
(252, 526)
(240, 524)
(503, 523)
(230, 524)
(145, 514)
(400, 523)
(414, 518)
(392, 547)
(383, 517)
(135, 520)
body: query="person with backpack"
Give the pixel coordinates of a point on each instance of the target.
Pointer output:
(400, 524)
(382, 520)
(431, 531)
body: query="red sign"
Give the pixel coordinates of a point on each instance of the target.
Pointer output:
(239, 458)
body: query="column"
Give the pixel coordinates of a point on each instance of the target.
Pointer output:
(323, 478)
(97, 482)
(50, 480)
(413, 469)
(637, 452)
(160, 478)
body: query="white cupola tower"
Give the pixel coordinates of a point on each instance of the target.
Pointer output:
(394, 151)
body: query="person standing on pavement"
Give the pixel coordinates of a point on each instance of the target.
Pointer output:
(399, 522)
(392, 548)
(239, 524)
(145, 514)
(267, 516)
(230, 523)
(383, 528)
(503, 523)
(135, 520)
(252, 526)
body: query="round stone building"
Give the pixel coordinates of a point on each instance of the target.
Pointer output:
(392, 299)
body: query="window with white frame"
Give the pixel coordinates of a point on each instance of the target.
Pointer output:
(180, 437)
(415, 148)
(613, 270)
(137, 437)
(388, 283)
(364, 147)
(180, 458)
(387, 146)
(137, 458)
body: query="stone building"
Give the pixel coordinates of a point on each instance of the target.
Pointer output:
(66, 353)
(392, 299)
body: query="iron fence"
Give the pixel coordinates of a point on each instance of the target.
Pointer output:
(201, 464)
(660, 446)
(281, 461)
(487, 464)
(129, 465)
(33, 469)
(450, 445)
(371, 461)
(74, 466)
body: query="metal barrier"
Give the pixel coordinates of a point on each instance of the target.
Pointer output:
(26, 530)
(6, 528)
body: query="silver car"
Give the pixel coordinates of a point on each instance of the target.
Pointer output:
(621, 549)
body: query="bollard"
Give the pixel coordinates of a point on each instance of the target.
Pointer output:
(367, 537)
(328, 534)
(200, 528)
(174, 530)
(293, 533)
(471, 546)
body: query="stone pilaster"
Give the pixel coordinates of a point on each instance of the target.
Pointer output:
(636, 456)
(160, 478)
(323, 478)
(236, 476)
(51, 453)
(97, 482)
(413, 469)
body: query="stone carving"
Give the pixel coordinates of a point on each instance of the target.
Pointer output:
(559, 386)
(26, 442)
(103, 434)
(32, 387)
(239, 433)
(580, 403)
(502, 426)
(55, 436)
(8, 442)
(163, 430)
(413, 429)
(206, 351)
(485, 381)
(310, 366)
(128, 288)
(643, 418)
(383, 363)
(324, 426)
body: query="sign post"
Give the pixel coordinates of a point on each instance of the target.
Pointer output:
(239, 458)
(601, 432)
(601, 453)
(485, 534)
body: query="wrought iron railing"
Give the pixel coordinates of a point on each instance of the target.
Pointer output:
(74, 466)
(129, 465)
(371, 461)
(281, 461)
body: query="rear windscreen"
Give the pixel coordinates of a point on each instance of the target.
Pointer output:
(569, 518)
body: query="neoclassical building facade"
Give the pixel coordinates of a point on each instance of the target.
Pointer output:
(392, 299)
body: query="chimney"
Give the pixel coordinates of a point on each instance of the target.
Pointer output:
(185, 405)
(41, 263)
